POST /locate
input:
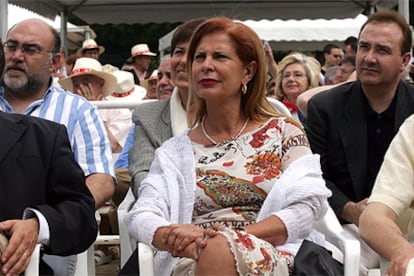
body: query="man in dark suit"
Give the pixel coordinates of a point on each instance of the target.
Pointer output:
(43, 195)
(351, 125)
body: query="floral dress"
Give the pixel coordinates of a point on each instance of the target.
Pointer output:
(233, 180)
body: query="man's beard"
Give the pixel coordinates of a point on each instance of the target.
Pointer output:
(26, 84)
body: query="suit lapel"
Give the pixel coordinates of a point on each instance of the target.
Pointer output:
(10, 130)
(165, 127)
(354, 136)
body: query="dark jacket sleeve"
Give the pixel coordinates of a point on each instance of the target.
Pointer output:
(318, 132)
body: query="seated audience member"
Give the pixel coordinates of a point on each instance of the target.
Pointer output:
(351, 46)
(296, 73)
(165, 85)
(347, 67)
(43, 196)
(389, 209)
(29, 91)
(87, 79)
(126, 90)
(351, 125)
(150, 85)
(121, 164)
(90, 49)
(140, 60)
(225, 197)
(56, 208)
(158, 121)
(330, 75)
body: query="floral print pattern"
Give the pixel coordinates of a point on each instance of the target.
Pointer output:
(233, 180)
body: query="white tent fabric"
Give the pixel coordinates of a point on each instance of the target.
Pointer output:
(76, 34)
(298, 35)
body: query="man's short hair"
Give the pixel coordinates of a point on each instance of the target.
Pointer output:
(349, 60)
(328, 47)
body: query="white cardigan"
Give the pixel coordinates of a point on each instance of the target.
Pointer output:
(167, 194)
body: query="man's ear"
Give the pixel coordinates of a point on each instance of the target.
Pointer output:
(57, 59)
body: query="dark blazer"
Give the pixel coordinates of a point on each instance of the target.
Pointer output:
(38, 170)
(152, 128)
(337, 130)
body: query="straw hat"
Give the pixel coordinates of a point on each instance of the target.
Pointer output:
(126, 89)
(90, 44)
(90, 66)
(140, 50)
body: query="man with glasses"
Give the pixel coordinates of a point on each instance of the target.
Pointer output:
(346, 68)
(43, 196)
(31, 53)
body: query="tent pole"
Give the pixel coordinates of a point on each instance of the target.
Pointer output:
(64, 30)
(404, 9)
(3, 18)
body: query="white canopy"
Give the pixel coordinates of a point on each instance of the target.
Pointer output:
(76, 34)
(298, 35)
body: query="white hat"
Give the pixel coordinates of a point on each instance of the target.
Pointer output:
(126, 88)
(140, 50)
(154, 75)
(90, 44)
(90, 66)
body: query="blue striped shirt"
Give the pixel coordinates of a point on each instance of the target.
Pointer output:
(86, 131)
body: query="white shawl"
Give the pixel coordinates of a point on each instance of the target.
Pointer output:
(166, 197)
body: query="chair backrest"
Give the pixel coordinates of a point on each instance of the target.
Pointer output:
(127, 246)
(334, 233)
(279, 106)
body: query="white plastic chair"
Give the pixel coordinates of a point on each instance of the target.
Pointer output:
(126, 243)
(349, 246)
(328, 225)
(279, 106)
(82, 266)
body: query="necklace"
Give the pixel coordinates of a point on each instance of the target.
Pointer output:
(214, 142)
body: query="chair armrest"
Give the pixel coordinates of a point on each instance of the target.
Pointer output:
(127, 245)
(348, 245)
(33, 267)
(145, 259)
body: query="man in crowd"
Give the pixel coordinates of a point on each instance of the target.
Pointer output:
(389, 215)
(141, 60)
(31, 53)
(351, 125)
(164, 90)
(89, 80)
(42, 190)
(332, 55)
(90, 49)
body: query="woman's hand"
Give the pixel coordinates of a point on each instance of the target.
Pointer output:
(178, 237)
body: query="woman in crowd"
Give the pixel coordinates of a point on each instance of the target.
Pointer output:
(158, 121)
(238, 192)
(296, 74)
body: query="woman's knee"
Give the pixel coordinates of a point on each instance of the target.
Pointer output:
(216, 256)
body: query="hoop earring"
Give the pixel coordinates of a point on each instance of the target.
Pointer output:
(244, 89)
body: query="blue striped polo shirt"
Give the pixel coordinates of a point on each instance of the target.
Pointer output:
(86, 131)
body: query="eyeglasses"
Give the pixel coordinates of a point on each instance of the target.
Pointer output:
(337, 56)
(27, 49)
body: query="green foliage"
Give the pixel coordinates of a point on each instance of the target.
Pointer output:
(118, 40)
